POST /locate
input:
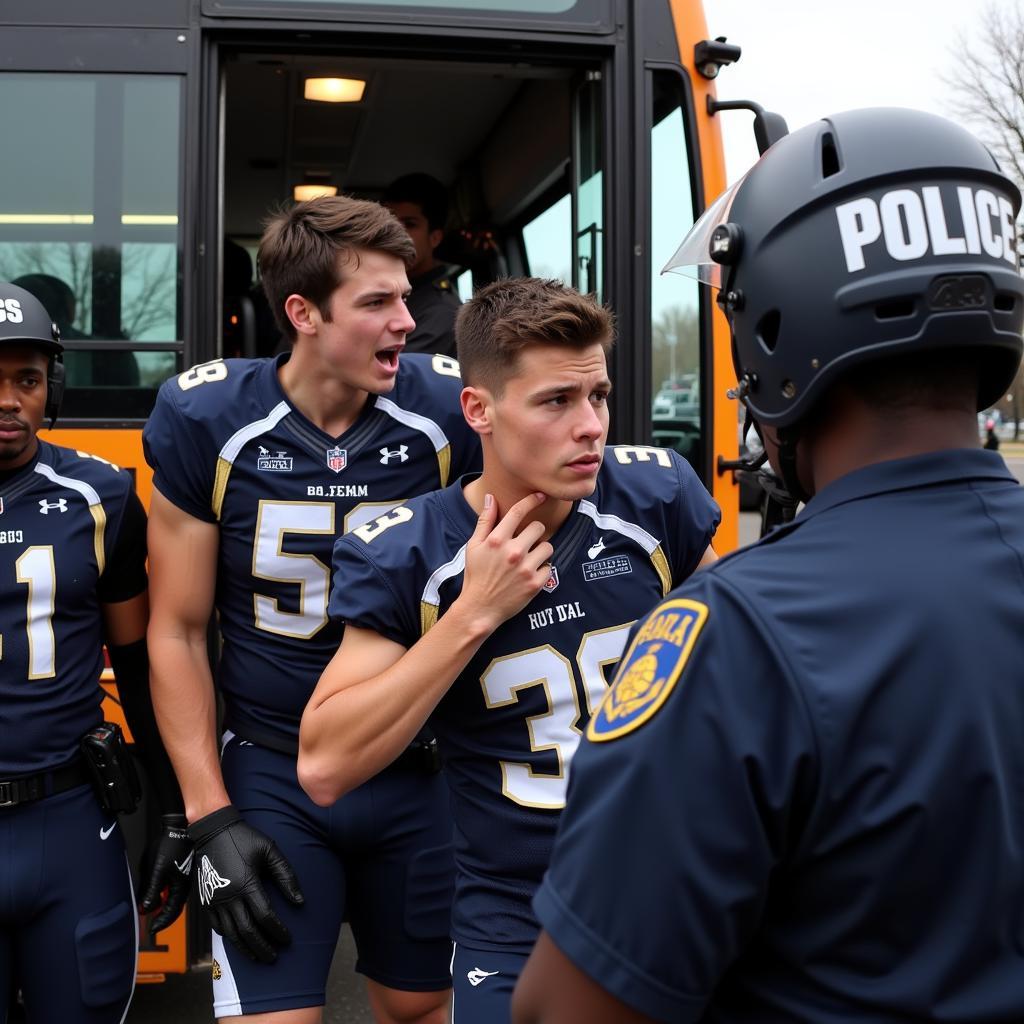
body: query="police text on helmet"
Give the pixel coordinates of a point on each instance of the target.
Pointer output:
(10, 311)
(913, 223)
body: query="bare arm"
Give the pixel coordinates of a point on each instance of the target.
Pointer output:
(709, 557)
(375, 695)
(183, 571)
(553, 990)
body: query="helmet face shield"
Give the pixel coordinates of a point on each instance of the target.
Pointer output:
(693, 257)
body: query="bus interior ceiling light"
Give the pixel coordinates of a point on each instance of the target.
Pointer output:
(313, 190)
(334, 90)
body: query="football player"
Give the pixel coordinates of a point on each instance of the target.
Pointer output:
(814, 815)
(493, 609)
(72, 577)
(259, 465)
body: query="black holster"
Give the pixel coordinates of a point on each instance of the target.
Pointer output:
(111, 768)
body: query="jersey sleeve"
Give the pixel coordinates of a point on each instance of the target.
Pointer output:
(124, 576)
(697, 516)
(183, 466)
(691, 787)
(371, 597)
(444, 385)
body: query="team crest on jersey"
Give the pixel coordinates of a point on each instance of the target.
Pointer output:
(337, 459)
(551, 583)
(650, 670)
(278, 463)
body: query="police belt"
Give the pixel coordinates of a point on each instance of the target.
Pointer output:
(24, 789)
(421, 755)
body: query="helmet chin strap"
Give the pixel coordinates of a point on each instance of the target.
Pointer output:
(787, 440)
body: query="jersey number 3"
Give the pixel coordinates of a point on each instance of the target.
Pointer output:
(558, 729)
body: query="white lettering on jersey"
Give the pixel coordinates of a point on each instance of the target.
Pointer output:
(209, 882)
(559, 613)
(10, 311)
(912, 224)
(11, 537)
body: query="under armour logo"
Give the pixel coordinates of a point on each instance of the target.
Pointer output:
(475, 976)
(186, 865)
(596, 549)
(209, 882)
(399, 453)
(61, 504)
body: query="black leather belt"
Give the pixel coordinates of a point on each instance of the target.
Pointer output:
(24, 789)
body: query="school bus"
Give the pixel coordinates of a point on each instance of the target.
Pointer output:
(146, 140)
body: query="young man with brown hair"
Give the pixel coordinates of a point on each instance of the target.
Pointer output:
(258, 466)
(492, 609)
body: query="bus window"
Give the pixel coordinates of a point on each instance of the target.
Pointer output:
(675, 307)
(589, 186)
(548, 242)
(90, 225)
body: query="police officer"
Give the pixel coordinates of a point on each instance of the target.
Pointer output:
(420, 202)
(72, 576)
(801, 799)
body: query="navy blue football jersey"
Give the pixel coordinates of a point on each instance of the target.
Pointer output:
(801, 801)
(227, 447)
(510, 723)
(60, 516)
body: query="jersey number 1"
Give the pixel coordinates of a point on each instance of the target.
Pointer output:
(35, 568)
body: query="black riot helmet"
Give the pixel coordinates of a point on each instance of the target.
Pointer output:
(24, 321)
(871, 233)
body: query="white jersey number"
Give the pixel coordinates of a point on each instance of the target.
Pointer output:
(35, 568)
(270, 562)
(274, 520)
(558, 728)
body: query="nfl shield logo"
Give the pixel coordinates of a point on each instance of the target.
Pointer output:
(337, 459)
(552, 581)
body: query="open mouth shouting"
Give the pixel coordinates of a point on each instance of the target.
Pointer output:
(388, 358)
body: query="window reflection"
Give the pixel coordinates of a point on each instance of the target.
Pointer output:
(675, 305)
(89, 222)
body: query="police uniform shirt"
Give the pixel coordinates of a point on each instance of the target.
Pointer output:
(433, 304)
(509, 725)
(72, 533)
(803, 799)
(228, 447)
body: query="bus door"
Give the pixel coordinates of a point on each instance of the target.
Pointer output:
(93, 222)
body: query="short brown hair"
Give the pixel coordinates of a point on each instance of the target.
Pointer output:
(301, 244)
(509, 315)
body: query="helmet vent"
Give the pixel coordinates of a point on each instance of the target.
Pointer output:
(1004, 302)
(829, 156)
(767, 332)
(895, 309)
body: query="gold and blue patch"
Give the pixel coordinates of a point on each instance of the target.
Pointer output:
(650, 670)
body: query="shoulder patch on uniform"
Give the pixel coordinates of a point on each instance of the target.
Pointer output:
(650, 670)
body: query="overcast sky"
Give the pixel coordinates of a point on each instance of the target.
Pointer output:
(808, 58)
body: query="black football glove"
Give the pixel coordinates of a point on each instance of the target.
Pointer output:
(167, 865)
(230, 857)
